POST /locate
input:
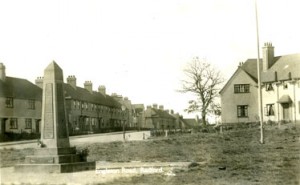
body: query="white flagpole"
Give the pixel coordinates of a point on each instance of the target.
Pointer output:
(259, 81)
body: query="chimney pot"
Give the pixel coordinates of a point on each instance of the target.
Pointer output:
(268, 56)
(39, 82)
(102, 89)
(71, 80)
(88, 86)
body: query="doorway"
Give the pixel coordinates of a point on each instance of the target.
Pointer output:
(285, 111)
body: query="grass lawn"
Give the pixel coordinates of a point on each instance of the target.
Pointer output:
(234, 157)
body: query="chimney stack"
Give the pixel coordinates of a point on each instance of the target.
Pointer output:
(88, 85)
(161, 107)
(39, 82)
(71, 80)
(154, 106)
(268, 56)
(102, 89)
(2, 72)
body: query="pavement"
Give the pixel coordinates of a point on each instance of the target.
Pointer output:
(84, 139)
(8, 176)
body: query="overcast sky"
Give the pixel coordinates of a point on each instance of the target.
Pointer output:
(138, 48)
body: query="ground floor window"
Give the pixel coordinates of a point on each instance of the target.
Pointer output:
(269, 110)
(13, 123)
(242, 111)
(28, 123)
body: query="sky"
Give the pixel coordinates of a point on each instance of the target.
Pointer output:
(139, 48)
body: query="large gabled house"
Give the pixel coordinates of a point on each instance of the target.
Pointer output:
(239, 96)
(280, 77)
(20, 104)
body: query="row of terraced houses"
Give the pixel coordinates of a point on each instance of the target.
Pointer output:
(88, 111)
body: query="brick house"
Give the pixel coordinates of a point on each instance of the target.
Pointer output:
(159, 119)
(20, 104)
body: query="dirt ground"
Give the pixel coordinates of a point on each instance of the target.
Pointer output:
(233, 157)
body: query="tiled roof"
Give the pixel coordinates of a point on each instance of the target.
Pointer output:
(20, 89)
(286, 67)
(161, 114)
(189, 122)
(283, 66)
(84, 95)
(250, 67)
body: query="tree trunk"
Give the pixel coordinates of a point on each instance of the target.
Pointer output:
(203, 119)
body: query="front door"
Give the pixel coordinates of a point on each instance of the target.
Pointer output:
(3, 125)
(37, 125)
(285, 111)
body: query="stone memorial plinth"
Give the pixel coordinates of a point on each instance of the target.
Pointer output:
(54, 154)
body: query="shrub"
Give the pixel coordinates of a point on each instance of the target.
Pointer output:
(83, 153)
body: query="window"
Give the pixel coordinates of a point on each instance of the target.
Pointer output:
(269, 87)
(9, 102)
(31, 104)
(28, 123)
(242, 111)
(13, 123)
(74, 104)
(285, 85)
(241, 88)
(269, 110)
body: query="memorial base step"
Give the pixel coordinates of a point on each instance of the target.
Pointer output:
(53, 159)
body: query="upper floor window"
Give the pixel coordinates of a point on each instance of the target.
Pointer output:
(13, 123)
(269, 110)
(285, 85)
(241, 88)
(28, 123)
(242, 111)
(269, 87)
(31, 104)
(9, 102)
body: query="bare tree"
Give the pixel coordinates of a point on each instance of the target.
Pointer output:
(204, 81)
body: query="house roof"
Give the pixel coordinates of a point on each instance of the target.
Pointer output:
(286, 67)
(190, 122)
(249, 67)
(20, 89)
(161, 114)
(84, 95)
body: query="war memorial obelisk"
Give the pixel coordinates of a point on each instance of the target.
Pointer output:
(55, 154)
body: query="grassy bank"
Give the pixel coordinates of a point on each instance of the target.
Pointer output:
(234, 157)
